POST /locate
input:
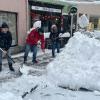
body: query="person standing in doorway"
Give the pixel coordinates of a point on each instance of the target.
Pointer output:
(32, 40)
(5, 44)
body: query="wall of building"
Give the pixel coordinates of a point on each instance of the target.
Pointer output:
(93, 13)
(89, 9)
(19, 7)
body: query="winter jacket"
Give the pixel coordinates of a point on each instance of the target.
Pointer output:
(33, 38)
(54, 36)
(5, 40)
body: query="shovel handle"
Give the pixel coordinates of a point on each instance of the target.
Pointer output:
(7, 55)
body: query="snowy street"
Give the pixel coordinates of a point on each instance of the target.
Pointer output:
(37, 69)
(49, 49)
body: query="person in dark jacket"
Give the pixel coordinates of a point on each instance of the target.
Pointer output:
(32, 40)
(5, 44)
(54, 36)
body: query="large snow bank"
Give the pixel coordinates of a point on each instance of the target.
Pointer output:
(78, 65)
(96, 34)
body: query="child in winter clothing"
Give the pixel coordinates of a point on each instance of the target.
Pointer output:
(54, 36)
(5, 44)
(32, 39)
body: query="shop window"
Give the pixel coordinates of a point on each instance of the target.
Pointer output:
(47, 22)
(95, 22)
(11, 20)
(47, 19)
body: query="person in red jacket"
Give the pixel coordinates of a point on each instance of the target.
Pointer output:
(32, 40)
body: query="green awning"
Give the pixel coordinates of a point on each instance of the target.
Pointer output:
(65, 8)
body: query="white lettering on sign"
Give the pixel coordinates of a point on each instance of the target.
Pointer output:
(46, 9)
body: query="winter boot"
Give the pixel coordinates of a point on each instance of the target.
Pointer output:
(25, 60)
(35, 62)
(11, 68)
(0, 67)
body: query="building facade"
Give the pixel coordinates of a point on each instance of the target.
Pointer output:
(93, 13)
(46, 12)
(21, 14)
(13, 12)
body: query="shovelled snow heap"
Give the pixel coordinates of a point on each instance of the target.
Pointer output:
(78, 65)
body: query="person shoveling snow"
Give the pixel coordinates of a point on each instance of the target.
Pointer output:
(32, 40)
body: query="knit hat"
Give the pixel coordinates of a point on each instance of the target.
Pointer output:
(4, 25)
(53, 26)
(37, 24)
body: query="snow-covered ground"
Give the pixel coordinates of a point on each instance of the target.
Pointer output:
(77, 66)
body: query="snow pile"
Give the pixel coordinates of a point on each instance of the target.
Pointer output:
(96, 34)
(46, 35)
(66, 34)
(78, 65)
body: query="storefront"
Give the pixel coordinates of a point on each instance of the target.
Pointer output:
(13, 12)
(46, 12)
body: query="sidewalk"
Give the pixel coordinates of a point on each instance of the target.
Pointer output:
(35, 70)
(19, 57)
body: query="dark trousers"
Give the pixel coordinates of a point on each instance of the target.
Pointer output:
(9, 54)
(55, 45)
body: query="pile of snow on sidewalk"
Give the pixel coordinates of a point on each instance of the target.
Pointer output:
(78, 65)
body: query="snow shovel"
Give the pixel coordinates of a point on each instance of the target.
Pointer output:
(7, 55)
(20, 73)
